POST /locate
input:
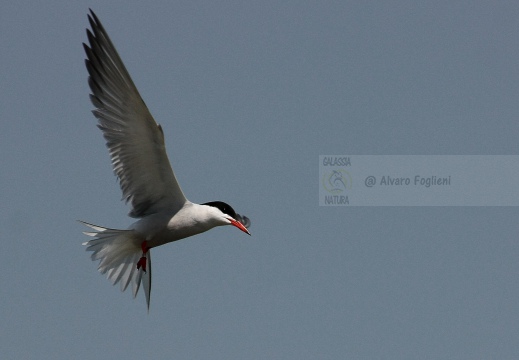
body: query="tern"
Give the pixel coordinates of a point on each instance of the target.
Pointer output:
(139, 160)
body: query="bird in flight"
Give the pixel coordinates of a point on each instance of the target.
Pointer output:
(137, 150)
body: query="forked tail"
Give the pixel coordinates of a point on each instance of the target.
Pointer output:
(119, 252)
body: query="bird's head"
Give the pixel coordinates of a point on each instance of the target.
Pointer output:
(227, 216)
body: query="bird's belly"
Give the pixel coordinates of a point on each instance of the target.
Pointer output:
(163, 228)
(171, 233)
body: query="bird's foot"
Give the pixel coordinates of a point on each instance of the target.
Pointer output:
(142, 261)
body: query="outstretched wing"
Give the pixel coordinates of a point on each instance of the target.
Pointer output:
(135, 141)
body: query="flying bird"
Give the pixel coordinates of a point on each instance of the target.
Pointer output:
(137, 150)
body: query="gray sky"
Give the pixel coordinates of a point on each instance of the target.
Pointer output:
(249, 95)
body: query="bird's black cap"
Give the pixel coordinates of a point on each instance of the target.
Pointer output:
(223, 207)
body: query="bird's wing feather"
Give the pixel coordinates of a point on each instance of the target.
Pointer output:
(135, 141)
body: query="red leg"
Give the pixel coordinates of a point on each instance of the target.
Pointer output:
(142, 261)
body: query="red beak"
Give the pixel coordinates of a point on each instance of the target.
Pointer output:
(239, 225)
